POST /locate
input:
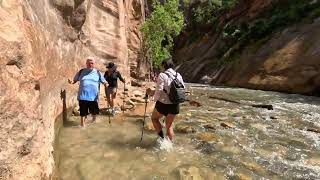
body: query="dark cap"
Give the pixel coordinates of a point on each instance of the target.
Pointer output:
(110, 65)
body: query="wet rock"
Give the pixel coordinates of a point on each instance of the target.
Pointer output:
(265, 106)
(137, 93)
(241, 176)
(227, 125)
(149, 126)
(206, 147)
(314, 161)
(137, 100)
(209, 126)
(76, 111)
(253, 166)
(136, 83)
(194, 103)
(314, 130)
(207, 137)
(183, 128)
(128, 105)
(206, 79)
(189, 173)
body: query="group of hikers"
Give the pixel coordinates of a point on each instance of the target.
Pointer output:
(90, 79)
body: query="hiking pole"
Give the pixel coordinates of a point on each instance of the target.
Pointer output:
(144, 116)
(108, 112)
(124, 97)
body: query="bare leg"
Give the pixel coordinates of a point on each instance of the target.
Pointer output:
(109, 99)
(113, 96)
(155, 117)
(169, 127)
(83, 120)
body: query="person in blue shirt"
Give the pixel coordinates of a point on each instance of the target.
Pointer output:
(88, 95)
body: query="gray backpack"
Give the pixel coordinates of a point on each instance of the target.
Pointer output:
(176, 90)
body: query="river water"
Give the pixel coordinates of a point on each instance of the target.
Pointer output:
(218, 140)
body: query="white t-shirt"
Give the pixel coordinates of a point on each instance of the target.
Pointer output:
(163, 82)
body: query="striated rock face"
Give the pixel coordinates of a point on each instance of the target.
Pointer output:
(286, 61)
(42, 43)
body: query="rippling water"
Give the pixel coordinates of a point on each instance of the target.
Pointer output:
(226, 141)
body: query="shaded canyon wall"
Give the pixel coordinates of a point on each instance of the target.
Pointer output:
(287, 60)
(42, 44)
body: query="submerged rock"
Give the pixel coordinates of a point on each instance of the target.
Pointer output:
(189, 173)
(183, 128)
(207, 137)
(209, 126)
(227, 125)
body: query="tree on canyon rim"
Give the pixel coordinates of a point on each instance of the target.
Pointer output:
(164, 23)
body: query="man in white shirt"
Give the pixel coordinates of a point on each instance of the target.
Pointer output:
(164, 107)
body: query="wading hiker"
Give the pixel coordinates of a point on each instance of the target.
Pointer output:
(167, 98)
(111, 76)
(88, 95)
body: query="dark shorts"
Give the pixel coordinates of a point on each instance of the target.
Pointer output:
(110, 90)
(88, 106)
(166, 109)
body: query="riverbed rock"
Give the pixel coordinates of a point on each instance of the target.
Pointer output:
(149, 126)
(137, 93)
(207, 137)
(136, 83)
(194, 103)
(209, 126)
(227, 125)
(242, 176)
(183, 128)
(189, 173)
(76, 111)
(137, 100)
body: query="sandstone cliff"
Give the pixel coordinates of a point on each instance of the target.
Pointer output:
(42, 44)
(286, 60)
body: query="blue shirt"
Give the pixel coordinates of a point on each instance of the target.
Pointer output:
(89, 84)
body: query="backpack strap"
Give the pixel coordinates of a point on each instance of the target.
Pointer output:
(81, 70)
(168, 74)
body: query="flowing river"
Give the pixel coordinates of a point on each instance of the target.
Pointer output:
(224, 138)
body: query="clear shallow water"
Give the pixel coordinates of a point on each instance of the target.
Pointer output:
(261, 143)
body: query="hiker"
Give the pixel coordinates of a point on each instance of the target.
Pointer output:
(164, 107)
(111, 76)
(88, 95)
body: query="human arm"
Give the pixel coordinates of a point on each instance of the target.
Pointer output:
(102, 79)
(121, 78)
(159, 86)
(75, 78)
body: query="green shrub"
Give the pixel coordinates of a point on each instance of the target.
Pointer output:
(164, 23)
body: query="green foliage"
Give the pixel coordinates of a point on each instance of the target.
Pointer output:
(280, 15)
(207, 13)
(165, 23)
